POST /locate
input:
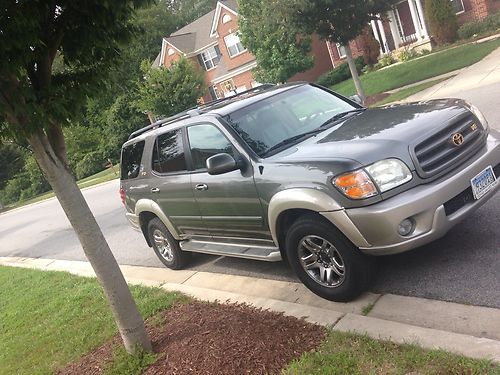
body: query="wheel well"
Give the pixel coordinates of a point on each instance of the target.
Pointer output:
(285, 220)
(144, 219)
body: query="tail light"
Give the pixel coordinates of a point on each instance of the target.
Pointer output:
(122, 194)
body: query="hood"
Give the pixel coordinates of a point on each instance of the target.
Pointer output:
(378, 133)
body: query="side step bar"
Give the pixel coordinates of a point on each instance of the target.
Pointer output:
(265, 253)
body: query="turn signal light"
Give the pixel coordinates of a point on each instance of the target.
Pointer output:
(356, 185)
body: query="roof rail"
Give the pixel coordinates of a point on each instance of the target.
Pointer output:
(195, 111)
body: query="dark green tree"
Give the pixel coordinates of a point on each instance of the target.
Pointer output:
(165, 92)
(337, 21)
(442, 20)
(38, 99)
(11, 162)
(280, 51)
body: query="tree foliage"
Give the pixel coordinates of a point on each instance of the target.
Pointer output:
(165, 92)
(280, 50)
(11, 162)
(442, 20)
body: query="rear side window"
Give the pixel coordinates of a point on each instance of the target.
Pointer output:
(131, 160)
(168, 153)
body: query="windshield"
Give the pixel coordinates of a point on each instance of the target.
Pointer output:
(289, 114)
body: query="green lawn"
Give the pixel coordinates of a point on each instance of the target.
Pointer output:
(100, 177)
(48, 319)
(417, 70)
(409, 91)
(344, 353)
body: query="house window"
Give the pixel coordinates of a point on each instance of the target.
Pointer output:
(210, 57)
(233, 44)
(214, 92)
(226, 18)
(341, 51)
(170, 51)
(458, 6)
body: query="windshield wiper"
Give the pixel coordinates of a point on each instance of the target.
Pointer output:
(340, 116)
(293, 139)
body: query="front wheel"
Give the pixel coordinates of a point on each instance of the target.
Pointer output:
(166, 246)
(325, 261)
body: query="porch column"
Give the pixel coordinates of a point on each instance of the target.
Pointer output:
(375, 34)
(414, 18)
(394, 28)
(421, 13)
(382, 33)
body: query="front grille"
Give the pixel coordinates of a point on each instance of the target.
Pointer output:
(466, 196)
(438, 152)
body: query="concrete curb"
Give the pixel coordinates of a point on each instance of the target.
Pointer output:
(471, 331)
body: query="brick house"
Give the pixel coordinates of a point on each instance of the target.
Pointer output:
(404, 25)
(212, 42)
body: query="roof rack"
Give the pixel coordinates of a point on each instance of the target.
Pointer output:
(195, 111)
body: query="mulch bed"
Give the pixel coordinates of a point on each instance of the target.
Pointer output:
(375, 98)
(202, 338)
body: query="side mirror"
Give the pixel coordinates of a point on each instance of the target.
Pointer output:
(221, 163)
(356, 98)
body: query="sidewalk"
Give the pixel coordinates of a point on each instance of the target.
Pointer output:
(472, 331)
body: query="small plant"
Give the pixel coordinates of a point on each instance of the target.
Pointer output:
(366, 309)
(424, 52)
(407, 54)
(384, 61)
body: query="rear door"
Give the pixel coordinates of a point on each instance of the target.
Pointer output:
(171, 183)
(228, 203)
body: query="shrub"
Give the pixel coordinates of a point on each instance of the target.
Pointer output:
(90, 164)
(384, 61)
(442, 20)
(490, 24)
(407, 54)
(340, 73)
(371, 48)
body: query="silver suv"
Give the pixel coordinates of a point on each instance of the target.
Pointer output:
(298, 172)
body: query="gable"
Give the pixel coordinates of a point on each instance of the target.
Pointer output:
(229, 6)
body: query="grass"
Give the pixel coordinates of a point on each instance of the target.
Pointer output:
(346, 353)
(409, 91)
(367, 308)
(419, 69)
(98, 178)
(49, 319)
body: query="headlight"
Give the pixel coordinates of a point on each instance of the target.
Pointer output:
(389, 173)
(479, 116)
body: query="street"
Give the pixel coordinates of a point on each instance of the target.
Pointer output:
(461, 267)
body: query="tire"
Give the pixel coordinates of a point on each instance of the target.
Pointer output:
(165, 246)
(325, 261)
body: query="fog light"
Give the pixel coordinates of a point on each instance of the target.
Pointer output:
(406, 227)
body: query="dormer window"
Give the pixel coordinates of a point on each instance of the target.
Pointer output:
(226, 18)
(210, 57)
(233, 44)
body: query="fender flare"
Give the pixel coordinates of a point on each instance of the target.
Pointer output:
(316, 201)
(148, 205)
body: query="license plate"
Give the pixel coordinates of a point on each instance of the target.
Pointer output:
(483, 182)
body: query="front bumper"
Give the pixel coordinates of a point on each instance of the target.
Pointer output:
(425, 204)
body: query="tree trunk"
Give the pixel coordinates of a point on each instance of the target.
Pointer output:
(354, 73)
(127, 317)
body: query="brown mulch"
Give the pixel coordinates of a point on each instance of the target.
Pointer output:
(375, 98)
(202, 338)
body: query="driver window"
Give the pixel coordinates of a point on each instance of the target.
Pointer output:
(206, 140)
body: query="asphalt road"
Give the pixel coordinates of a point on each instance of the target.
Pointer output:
(463, 266)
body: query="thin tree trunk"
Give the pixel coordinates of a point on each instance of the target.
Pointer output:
(129, 321)
(354, 73)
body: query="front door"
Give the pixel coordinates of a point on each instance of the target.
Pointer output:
(228, 203)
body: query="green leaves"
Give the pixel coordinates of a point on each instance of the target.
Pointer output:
(165, 92)
(281, 51)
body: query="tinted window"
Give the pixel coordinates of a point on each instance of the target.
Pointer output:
(131, 160)
(205, 141)
(268, 122)
(168, 153)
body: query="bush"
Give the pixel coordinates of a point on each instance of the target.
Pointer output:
(489, 24)
(90, 164)
(340, 73)
(384, 61)
(407, 54)
(442, 20)
(371, 48)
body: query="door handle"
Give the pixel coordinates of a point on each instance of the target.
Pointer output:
(201, 187)
(155, 190)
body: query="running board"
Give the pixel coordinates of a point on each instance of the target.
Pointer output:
(265, 253)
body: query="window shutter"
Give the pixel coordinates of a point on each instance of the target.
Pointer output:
(200, 61)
